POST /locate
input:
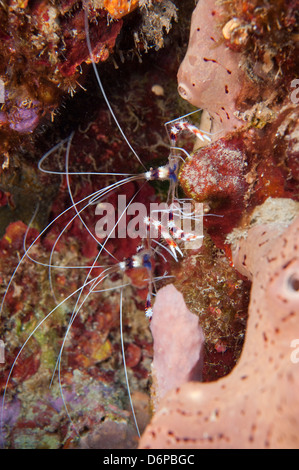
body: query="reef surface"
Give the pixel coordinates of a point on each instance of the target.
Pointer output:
(51, 92)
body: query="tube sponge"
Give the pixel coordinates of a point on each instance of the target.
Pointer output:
(178, 343)
(257, 404)
(209, 76)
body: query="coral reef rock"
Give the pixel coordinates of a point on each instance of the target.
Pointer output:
(214, 172)
(257, 404)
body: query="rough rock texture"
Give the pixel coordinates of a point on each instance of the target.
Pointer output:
(215, 172)
(209, 76)
(274, 214)
(178, 343)
(257, 404)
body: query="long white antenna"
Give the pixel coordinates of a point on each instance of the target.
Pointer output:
(124, 359)
(102, 88)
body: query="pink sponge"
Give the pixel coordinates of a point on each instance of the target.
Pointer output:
(257, 404)
(210, 76)
(178, 343)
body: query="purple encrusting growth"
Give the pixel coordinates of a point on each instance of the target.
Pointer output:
(10, 416)
(24, 119)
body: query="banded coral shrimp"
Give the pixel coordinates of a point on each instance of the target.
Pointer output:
(50, 264)
(94, 351)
